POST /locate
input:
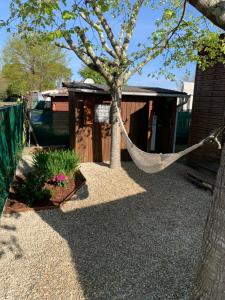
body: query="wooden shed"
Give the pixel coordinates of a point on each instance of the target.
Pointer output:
(60, 103)
(149, 115)
(207, 114)
(59, 99)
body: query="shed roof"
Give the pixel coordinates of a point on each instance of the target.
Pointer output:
(126, 90)
(60, 92)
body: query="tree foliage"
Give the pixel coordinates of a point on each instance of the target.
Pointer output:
(178, 35)
(3, 86)
(85, 72)
(33, 64)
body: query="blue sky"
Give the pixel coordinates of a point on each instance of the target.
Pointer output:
(145, 26)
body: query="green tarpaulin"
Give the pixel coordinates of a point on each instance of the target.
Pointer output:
(11, 131)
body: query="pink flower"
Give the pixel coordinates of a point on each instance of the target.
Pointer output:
(60, 178)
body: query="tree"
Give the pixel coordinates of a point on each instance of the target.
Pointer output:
(3, 87)
(210, 280)
(33, 64)
(86, 72)
(85, 28)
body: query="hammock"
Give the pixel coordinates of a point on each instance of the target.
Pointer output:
(153, 162)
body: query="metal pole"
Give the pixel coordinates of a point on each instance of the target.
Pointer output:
(29, 129)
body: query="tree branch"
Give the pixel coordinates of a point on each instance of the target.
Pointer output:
(63, 46)
(77, 51)
(120, 39)
(98, 62)
(164, 45)
(106, 28)
(214, 10)
(139, 67)
(131, 24)
(100, 33)
(179, 22)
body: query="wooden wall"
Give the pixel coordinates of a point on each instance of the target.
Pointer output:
(60, 103)
(207, 112)
(92, 140)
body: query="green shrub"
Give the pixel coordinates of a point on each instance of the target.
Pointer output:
(55, 162)
(32, 189)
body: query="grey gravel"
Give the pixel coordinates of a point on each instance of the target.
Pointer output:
(127, 235)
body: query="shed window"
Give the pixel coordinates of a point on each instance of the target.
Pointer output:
(102, 113)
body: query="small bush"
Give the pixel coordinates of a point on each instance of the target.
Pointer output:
(52, 163)
(32, 189)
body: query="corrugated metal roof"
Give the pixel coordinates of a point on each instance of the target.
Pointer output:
(126, 90)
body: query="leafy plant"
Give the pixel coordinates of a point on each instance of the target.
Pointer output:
(53, 163)
(32, 189)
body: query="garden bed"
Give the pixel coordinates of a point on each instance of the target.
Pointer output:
(52, 178)
(60, 195)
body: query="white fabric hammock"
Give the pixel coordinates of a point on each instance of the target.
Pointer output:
(153, 162)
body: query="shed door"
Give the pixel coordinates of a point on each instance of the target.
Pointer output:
(92, 137)
(165, 111)
(135, 117)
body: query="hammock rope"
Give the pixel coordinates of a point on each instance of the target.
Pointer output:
(153, 162)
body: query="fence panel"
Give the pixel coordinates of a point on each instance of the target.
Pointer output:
(11, 132)
(183, 126)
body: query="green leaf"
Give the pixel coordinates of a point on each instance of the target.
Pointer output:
(66, 15)
(51, 36)
(58, 34)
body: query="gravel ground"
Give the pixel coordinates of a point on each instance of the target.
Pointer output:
(128, 235)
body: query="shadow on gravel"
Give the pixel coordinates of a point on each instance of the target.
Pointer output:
(10, 243)
(140, 247)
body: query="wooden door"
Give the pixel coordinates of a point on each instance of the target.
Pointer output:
(135, 117)
(166, 114)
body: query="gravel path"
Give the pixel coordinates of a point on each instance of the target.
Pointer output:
(129, 235)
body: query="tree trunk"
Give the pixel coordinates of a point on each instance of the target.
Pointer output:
(115, 160)
(210, 283)
(214, 10)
